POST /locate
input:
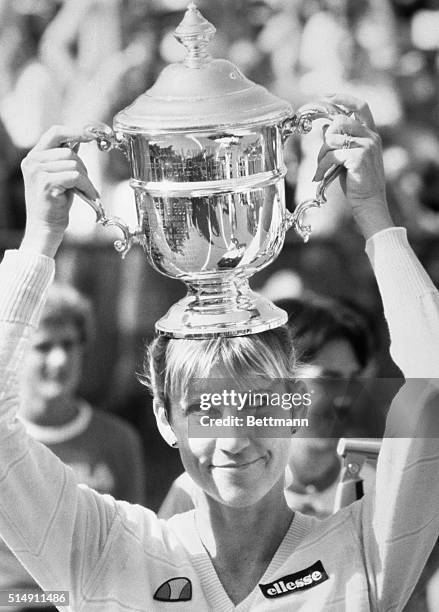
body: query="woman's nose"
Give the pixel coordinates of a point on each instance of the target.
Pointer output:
(233, 445)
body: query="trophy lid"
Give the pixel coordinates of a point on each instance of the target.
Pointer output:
(200, 92)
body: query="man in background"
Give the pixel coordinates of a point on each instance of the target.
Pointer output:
(337, 347)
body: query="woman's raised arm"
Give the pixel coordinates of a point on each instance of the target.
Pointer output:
(44, 515)
(399, 523)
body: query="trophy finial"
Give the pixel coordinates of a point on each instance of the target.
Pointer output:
(195, 33)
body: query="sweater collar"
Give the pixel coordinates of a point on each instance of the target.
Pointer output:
(186, 531)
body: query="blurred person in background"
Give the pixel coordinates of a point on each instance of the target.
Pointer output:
(336, 346)
(75, 62)
(347, 46)
(411, 161)
(328, 45)
(101, 52)
(29, 100)
(30, 95)
(105, 452)
(11, 191)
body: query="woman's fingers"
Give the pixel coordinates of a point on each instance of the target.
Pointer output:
(59, 135)
(355, 105)
(355, 146)
(63, 165)
(351, 141)
(342, 133)
(331, 157)
(59, 168)
(347, 125)
(363, 162)
(344, 141)
(56, 183)
(340, 149)
(47, 155)
(51, 171)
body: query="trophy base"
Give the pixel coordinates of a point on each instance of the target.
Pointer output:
(212, 310)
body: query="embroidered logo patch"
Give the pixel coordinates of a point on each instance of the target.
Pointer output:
(305, 579)
(175, 589)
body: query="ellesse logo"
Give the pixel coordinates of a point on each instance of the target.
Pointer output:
(175, 589)
(305, 579)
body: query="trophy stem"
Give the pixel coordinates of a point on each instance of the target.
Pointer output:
(220, 307)
(220, 295)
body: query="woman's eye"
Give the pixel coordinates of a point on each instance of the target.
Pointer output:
(214, 412)
(43, 347)
(199, 410)
(195, 409)
(260, 404)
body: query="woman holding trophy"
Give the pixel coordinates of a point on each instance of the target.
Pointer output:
(241, 548)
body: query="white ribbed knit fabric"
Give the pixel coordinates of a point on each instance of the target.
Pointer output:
(112, 556)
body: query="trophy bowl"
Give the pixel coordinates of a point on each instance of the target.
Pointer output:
(205, 147)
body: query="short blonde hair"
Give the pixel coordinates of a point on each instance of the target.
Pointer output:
(170, 364)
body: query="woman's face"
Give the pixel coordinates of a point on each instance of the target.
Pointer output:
(238, 470)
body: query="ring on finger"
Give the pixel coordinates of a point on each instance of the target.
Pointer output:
(347, 142)
(56, 191)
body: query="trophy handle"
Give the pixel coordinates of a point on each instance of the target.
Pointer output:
(130, 237)
(301, 123)
(107, 139)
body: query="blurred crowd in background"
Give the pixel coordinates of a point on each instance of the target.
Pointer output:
(80, 61)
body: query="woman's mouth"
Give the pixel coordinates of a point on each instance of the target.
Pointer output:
(237, 465)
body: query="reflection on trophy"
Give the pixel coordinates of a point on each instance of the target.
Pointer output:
(205, 149)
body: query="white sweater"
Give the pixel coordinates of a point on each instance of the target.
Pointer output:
(113, 556)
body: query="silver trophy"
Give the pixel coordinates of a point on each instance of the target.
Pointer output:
(205, 146)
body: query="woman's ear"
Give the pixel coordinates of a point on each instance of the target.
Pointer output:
(165, 429)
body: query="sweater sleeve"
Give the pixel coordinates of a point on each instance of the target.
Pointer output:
(399, 521)
(410, 301)
(45, 518)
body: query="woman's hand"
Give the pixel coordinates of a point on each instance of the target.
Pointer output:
(353, 142)
(50, 171)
